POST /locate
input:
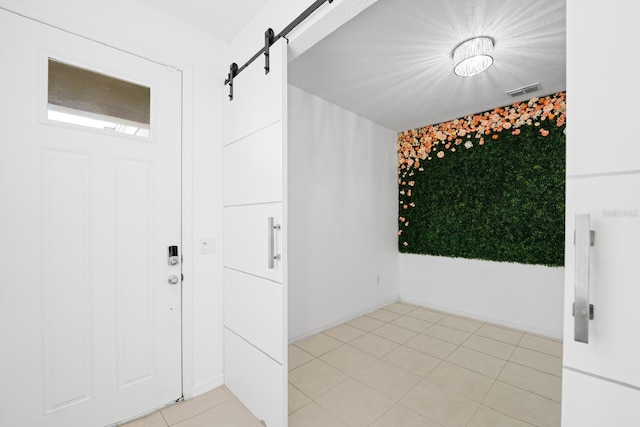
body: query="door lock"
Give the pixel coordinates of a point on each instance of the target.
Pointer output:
(173, 280)
(172, 258)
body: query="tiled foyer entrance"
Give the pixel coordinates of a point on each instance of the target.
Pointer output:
(404, 366)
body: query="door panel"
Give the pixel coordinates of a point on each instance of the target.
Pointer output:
(247, 239)
(260, 153)
(253, 310)
(255, 378)
(601, 379)
(614, 205)
(66, 296)
(255, 303)
(589, 401)
(86, 218)
(589, 104)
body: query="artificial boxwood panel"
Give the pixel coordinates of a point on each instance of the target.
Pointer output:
(488, 186)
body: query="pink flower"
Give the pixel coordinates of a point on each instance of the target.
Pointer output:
(440, 154)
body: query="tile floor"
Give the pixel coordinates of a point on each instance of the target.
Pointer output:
(404, 366)
(217, 408)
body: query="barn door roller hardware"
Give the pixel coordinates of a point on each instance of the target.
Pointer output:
(269, 39)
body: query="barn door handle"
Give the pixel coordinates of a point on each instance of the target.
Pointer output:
(582, 310)
(271, 243)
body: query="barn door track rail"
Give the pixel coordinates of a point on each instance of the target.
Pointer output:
(269, 39)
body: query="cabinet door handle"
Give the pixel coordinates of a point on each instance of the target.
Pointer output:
(582, 310)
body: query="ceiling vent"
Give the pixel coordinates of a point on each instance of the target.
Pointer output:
(523, 90)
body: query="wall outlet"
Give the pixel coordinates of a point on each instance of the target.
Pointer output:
(208, 246)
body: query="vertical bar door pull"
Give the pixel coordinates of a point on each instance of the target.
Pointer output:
(582, 310)
(271, 242)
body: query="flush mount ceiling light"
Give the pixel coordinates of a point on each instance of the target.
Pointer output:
(473, 56)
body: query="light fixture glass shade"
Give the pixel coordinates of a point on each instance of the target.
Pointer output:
(473, 56)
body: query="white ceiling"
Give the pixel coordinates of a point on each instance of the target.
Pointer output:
(221, 18)
(393, 63)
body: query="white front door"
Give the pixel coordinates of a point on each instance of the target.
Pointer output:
(91, 328)
(255, 230)
(601, 376)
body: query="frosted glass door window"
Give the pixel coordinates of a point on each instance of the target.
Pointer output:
(87, 98)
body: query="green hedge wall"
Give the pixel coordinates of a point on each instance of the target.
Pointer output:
(496, 199)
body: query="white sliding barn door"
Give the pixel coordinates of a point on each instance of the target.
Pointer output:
(255, 230)
(91, 328)
(601, 377)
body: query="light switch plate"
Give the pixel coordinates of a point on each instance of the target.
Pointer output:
(208, 246)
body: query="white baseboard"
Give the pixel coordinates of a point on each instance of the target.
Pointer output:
(495, 321)
(340, 322)
(204, 386)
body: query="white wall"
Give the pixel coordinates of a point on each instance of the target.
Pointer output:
(528, 297)
(343, 258)
(142, 30)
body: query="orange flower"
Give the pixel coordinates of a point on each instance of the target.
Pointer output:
(544, 132)
(495, 136)
(516, 132)
(440, 154)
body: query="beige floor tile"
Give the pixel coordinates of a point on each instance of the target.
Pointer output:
(427, 315)
(412, 323)
(298, 357)
(374, 344)
(523, 405)
(226, 414)
(468, 383)
(348, 359)
(315, 377)
(153, 420)
(365, 323)
(476, 361)
(388, 379)
(462, 323)
(536, 360)
(440, 404)
(490, 346)
(546, 385)
(189, 408)
(318, 344)
(297, 399)
(354, 403)
(541, 344)
(383, 315)
(433, 346)
(344, 333)
(412, 360)
(314, 415)
(487, 417)
(499, 333)
(399, 308)
(394, 333)
(453, 336)
(399, 416)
